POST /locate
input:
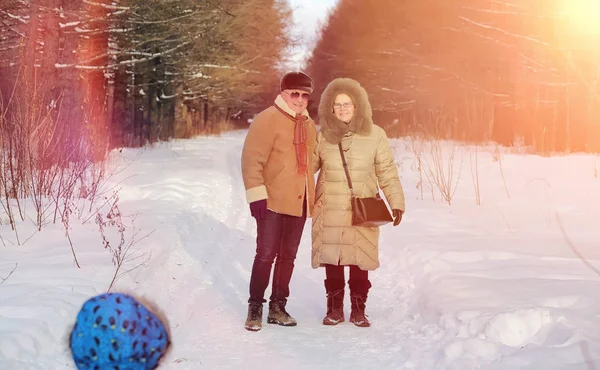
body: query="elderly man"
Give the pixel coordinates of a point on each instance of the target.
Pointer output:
(276, 169)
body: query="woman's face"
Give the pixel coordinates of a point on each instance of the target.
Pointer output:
(343, 107)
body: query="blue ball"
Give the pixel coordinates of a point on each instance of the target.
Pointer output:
(114, 331)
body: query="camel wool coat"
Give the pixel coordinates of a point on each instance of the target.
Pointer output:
(269, 168)
(371, 166)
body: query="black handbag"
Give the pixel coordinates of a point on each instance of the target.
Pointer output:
(366, 212)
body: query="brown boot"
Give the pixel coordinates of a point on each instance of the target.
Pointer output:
(254, 318)
(357, 315)
(335, 307)
(278, 315)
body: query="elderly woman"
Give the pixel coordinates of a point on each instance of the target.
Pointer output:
(345, 117)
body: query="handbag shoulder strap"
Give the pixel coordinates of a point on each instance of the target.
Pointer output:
(346, 169)
(348, 173)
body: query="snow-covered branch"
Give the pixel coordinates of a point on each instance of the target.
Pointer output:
(498, 29)
(106, 6)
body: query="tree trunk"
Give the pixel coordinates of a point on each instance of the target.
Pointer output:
(31, 48)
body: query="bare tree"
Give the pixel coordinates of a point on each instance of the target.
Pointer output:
(499, 66)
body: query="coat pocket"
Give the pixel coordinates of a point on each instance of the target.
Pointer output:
(274, 173)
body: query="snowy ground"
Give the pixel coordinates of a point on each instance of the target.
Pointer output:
(495, 286)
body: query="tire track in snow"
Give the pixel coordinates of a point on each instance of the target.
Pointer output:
(205, 279)
(226, 254)
(240, 214)
(219, 247)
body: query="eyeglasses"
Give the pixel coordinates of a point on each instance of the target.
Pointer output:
(346, 105)
(295, 95)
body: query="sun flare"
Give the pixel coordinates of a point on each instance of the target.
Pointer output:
(582, 16)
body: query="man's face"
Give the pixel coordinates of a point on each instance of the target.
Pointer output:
(297, 100)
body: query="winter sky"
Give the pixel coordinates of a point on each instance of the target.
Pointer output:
(308, 15)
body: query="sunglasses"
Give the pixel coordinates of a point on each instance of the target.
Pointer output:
(295, 95)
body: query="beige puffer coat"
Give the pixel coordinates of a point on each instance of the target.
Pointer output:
(370, 163)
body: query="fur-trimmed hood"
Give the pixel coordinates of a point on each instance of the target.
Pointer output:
(332, 128)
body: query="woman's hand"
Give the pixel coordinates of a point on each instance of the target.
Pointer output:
(397, 216)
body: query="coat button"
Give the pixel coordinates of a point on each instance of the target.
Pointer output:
(299, 196)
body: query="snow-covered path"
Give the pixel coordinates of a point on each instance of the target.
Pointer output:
(213, 242)
(460, 287)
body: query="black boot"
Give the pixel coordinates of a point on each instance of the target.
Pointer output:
(254, 318)
(278, 315)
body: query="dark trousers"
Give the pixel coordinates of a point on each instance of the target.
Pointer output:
(358, 282)
(277, 240)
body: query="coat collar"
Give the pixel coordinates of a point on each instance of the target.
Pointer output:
(281, 104)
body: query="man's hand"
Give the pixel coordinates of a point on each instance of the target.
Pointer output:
(397, 216)
(258, 209)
